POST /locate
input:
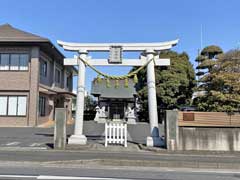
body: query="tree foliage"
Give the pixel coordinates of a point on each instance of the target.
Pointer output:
(174, 83)
(206, 61)
(222, 84)
(211, 51)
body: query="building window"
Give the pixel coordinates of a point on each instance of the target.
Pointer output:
(69, 81)
(3, 105)
(13, 105)
(57, 76)
(43, 68)
(14, 62)
(22, 106)
(4, 61)
(23, 64)
(42, 105)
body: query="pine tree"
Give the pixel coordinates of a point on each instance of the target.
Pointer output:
(221, 81)
(206, 61)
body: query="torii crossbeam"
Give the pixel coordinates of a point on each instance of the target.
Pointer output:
(149, 51)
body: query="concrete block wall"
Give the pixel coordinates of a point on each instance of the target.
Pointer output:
(211, 139)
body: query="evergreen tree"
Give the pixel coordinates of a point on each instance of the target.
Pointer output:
(226, 82)
(206, 61)
(221, 84)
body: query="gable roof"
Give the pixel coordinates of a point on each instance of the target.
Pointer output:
(10, 34)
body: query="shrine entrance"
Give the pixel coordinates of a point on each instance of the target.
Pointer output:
(116, 110)
(149, 57)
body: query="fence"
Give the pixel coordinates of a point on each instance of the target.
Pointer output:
(116, 133)
(208, 119)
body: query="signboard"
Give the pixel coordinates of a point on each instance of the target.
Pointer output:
(115, 55)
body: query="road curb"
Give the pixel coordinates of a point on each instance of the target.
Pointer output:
(126, 163)
(147, 163)
(184, 152)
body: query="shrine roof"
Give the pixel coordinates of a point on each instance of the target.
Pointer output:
(101, 90)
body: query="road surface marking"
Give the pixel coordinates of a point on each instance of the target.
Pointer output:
(59, 177)
(12, 143)
(74, 177)
(36, 144)
(16, 176)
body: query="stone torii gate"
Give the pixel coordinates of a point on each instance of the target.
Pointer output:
(149, 51)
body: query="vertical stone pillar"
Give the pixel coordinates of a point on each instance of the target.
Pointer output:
(171, 130)
(34, 86)
(60, 128)
(78, 137)
(153, 139)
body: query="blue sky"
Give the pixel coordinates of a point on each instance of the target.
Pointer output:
(128, 21)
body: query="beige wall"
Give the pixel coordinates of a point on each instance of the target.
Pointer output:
(14, 80)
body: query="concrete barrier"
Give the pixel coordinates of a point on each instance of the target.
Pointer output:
(211, 139)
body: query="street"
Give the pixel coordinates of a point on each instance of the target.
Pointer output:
(114, 173)
(25, 153)
(129, 165)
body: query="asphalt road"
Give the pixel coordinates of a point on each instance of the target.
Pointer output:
(41, 138)
(26, 163)
(114, 173)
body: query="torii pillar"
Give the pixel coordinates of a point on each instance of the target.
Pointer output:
(153, 139)
(78, 137)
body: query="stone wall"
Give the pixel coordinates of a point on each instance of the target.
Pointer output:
(137, 133)
(212, 139)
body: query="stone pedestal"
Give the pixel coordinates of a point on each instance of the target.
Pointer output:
(77, 139)
(131, 120)
(154, 142)
(101, 120)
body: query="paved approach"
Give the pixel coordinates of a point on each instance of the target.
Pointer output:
(25, 137)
